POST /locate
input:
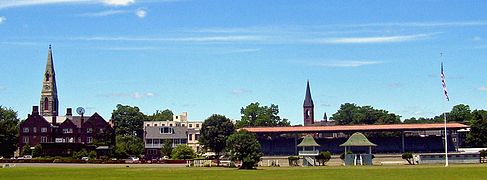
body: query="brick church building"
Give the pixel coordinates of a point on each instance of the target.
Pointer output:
(62, 135)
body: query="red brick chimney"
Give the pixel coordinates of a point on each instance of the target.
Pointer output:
(35, 110)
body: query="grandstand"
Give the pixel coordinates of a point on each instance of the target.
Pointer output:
(391, 138)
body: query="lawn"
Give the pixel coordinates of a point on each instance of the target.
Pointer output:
(372, 172)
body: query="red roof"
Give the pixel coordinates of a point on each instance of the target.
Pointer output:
(341, 128)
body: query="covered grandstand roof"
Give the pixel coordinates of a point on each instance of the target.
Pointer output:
(345, 128)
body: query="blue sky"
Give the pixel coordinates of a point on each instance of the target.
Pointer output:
(209, 56)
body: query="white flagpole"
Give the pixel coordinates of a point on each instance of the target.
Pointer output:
(446, 143)
(444, 113)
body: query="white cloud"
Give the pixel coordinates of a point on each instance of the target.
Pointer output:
(483, 88)
(118, 2)
(477, 38)
(229, 38)
(103, 13)
(141, 13)
(138, 95)
(346, 63)
(2, 19)
(240, 91)
(24, 3)
(375, 39)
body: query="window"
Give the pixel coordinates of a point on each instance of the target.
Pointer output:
(167, 130)
(47, 77)
(156, 141)
(148, 141)
(197, 125)
(34, 129)
(89, 130)
(43, 129)
(148, 124)
(183, 125)
(26, 130)
(26, 139)
(46, 104)
(190, 125)
(170, 124)
(79, 139)
(101, 130)
(197, 136)
(155, 124)
(89, 139)
(67, 130)
(190, 137)
(43, 139)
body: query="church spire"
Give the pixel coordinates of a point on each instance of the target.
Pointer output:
(49, 100)
(308, 101)
(308, 107)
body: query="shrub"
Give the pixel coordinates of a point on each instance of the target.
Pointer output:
(483, 153)
(293, 160)
(323, 158)
(183, 151)
(408, 157)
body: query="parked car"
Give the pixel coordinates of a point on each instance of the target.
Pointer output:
(85, 158)
(27, 157)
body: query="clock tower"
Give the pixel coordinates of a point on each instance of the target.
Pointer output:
(49, 100)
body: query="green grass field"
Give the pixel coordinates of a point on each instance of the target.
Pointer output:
(372, 172)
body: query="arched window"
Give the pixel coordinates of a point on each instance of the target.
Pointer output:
(47, 77)
(307, 113)
(46, 104)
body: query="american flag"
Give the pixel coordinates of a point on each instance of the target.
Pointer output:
(443, 83)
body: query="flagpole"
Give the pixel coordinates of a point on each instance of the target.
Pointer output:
(444, 113)
(446, 142)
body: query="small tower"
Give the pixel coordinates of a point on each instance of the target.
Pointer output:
(308, 108)
(49, 103)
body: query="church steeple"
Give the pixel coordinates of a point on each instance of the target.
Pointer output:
(49, 100)
(308, 107)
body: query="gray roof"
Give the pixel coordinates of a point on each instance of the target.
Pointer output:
(154, 132)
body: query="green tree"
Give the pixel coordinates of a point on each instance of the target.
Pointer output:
(166, 148)
(8, 131)
(128, 120)
(256, 115)
(243, 146)
(214, 133)
(26, 150)
(128, 145)
(183, 151)
(478, 129)
(345, 115)
(165, 115)
(459, 113)
(105, 138)
(350, 113)
(37, 152)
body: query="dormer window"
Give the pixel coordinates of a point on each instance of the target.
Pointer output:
(167, 130)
